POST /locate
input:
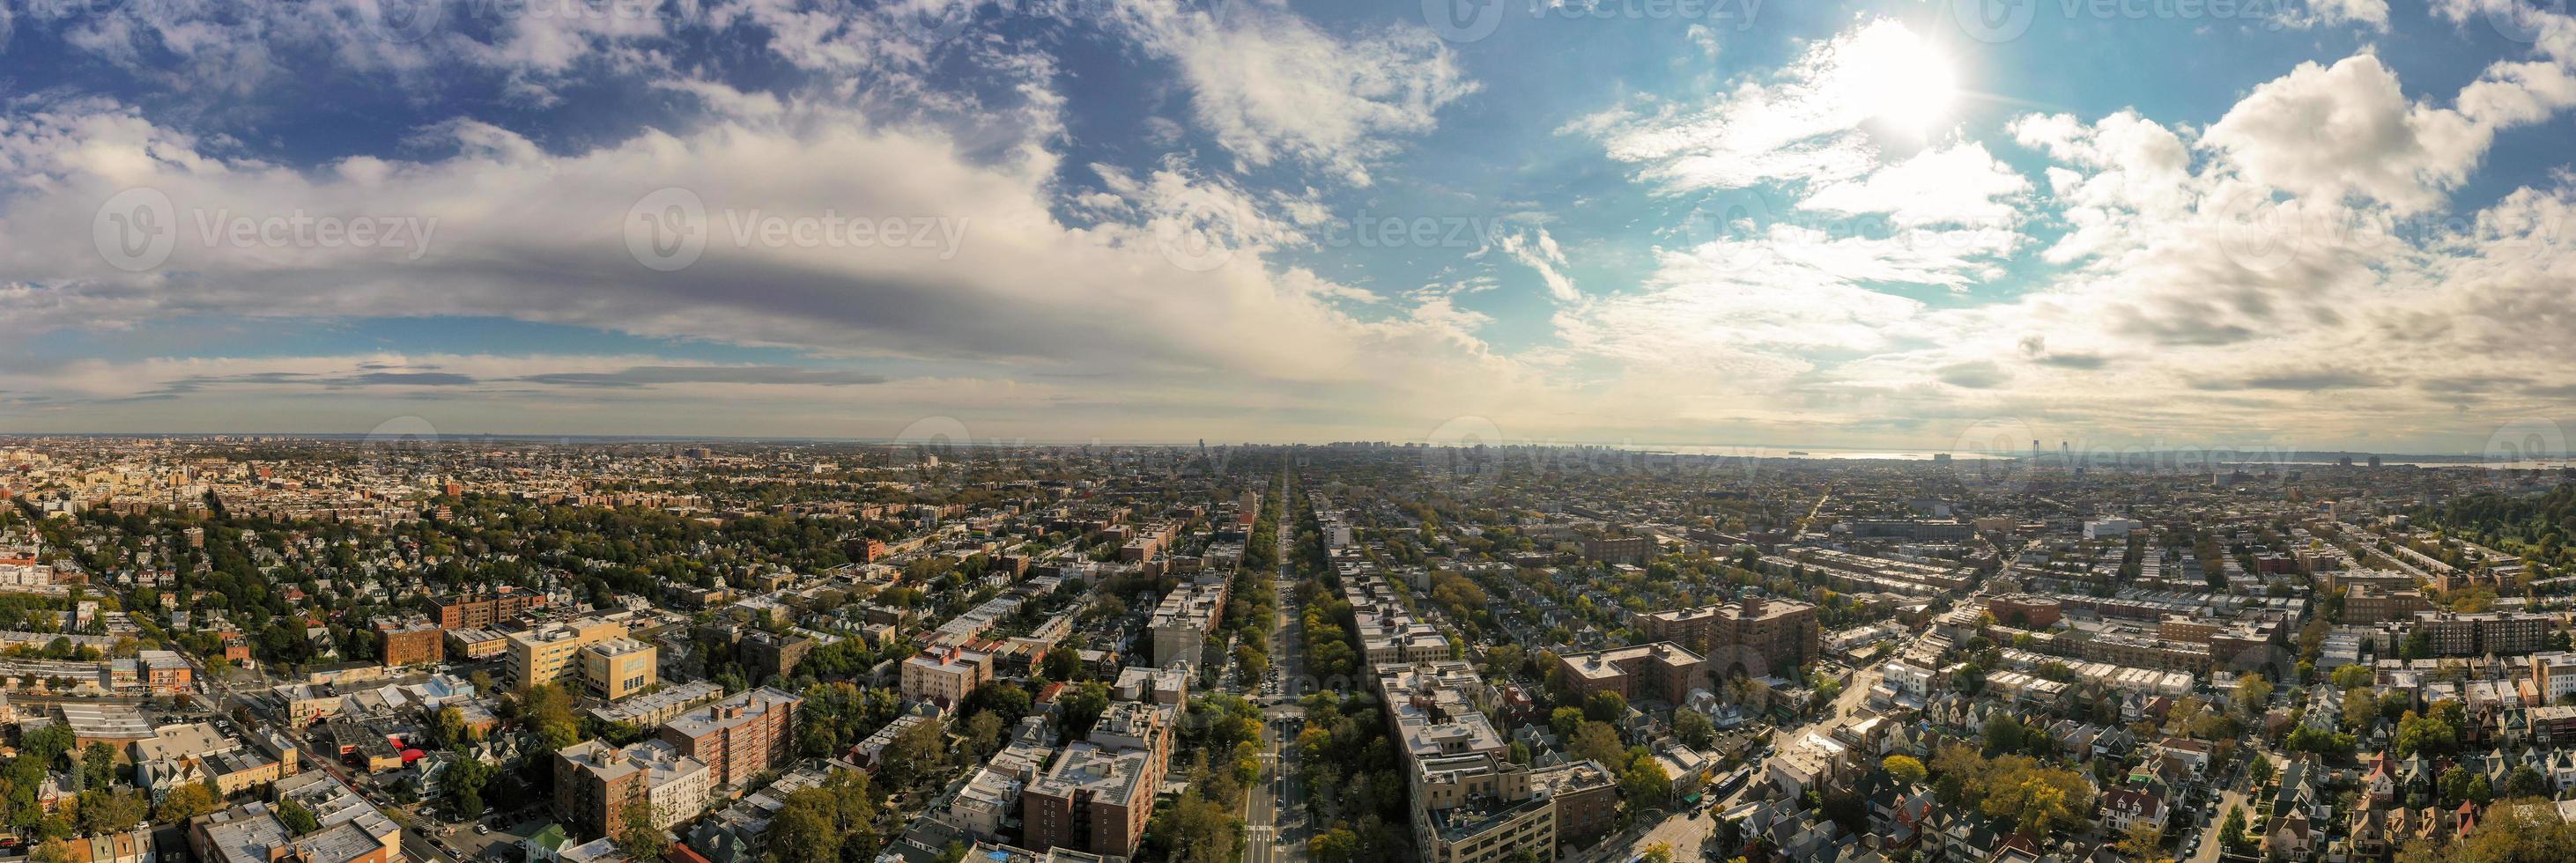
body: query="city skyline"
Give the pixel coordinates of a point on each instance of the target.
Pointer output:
(2327, 226)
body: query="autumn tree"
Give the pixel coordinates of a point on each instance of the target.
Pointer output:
(1904, 769)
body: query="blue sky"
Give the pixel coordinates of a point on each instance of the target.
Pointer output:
(1912, 224)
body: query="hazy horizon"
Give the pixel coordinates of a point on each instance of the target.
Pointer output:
(1879, 226)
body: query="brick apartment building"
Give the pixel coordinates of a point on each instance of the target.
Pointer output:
(1093, 800)
(462, 612)
(1586, 795)
(739, 736)
(592, 790)
(2368, 603)
(1661, 670)
(769, 655)
(1098, 796)
(1626, 549)
(2026, 611)
(945, 675)
(596, 783)
(411, 642)
(1784, 634)
(2493, 632)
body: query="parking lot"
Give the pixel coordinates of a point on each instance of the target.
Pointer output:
(501, 841)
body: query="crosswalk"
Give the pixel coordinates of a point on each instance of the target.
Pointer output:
(1261, 844)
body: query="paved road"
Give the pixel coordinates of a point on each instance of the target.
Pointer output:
(1276, 806)
(2210, 844)
(1261, 831)
(2215, 817)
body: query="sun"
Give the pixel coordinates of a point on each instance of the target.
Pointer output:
(1901, 80)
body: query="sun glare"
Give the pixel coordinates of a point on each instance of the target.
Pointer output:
(1902, 79)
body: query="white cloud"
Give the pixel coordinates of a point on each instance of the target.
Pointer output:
(2371, 14)
(1538, 251)
(1272, 87)
(1958, 185)
(2349, 129)
(1808, 122)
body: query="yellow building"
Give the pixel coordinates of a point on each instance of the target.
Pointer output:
(545, 654)
(618, 667)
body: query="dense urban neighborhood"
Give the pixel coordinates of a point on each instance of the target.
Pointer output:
(256, 650)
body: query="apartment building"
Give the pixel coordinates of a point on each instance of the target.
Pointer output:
(739, 736)
(1624, 549)
(2026, 610)
(616, 668)
(2495, 632)
(945, 676)
(1099, 794)
(1094, 799)
(769, 655)
(1920, 530)
(596, 784)
(411, 642)
(546, 653)
(477, 644)
(1662, 670)
(2369, 603)
(651, 711)
(2138, 651)
(1389, 635)
(2553, 674)
(1183, 619)
(1586, 797)
(486, 612)
(1471, 804)
(1778, 635)
(196, 753)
